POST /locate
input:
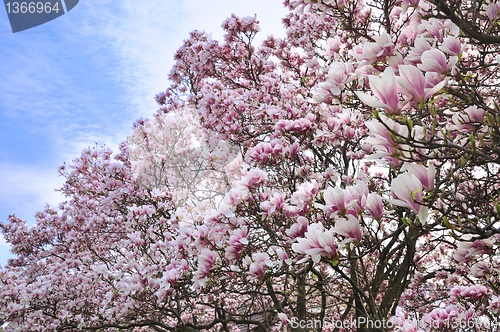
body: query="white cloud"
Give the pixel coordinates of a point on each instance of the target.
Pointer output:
(26, 189)
(142, 36)
(134, 42)
(145, 35)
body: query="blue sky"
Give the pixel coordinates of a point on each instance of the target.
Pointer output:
(85, 77)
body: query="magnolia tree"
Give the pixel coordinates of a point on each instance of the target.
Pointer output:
(343, 178)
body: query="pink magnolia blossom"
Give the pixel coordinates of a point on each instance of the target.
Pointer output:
(334, 199)
(385, 89)
(475, 114)
(298, 229)
(474, 291)
(435, 61)
(260, 262)
(236, 196)
(256, 177)
(424, 174)
(256, 270)
(413, 83)
(375, 205)
(349, 227)
(382, 141)
(304, 194)
(180, 233)
(207, 260)
(237, 241)
(272, 205)
(440, 318)
(493, 10)
(283, 318)
(467, 250)
(339, 74)
(234, 165)
(317, 242)
(494, 305)
(451, 46)
(479, 270)
(408, 190)
(465, 122)
(382, 47)
(421, 45)
(355, 198)
(332, 46)
(283, 256)
(435, 27)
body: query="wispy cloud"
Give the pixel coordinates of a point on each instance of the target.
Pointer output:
(26, 189)
(145, 35)
(87, 80)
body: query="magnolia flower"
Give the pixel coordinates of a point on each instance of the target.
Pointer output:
(493, 10)
(283, 318)
(451, 45)
(283, 256)
(334, 198)
(260, 152)
(339, 74)
(475, 114)
(385, 89)
(440, 318)
(256, 270)
(382, 140)
(355, 198)
(236, 243)
(406, 3)
(424, 175)
(375, 205)
(236, 195)
(413, 83)
(136, 238)
(349, 228)
(332, 46)
(304, 193)
(271, 205)
(261, 260)
(298, 229)
(234, 165)
(317, 242)
(206, 261)
(435, 27)
(434, 60)
(474, 291)
(256, 177)
(415, 54)
(494, 306)
(466, 250)
(382, 47)
(479, 270)
(462, 122)
(408, 190)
